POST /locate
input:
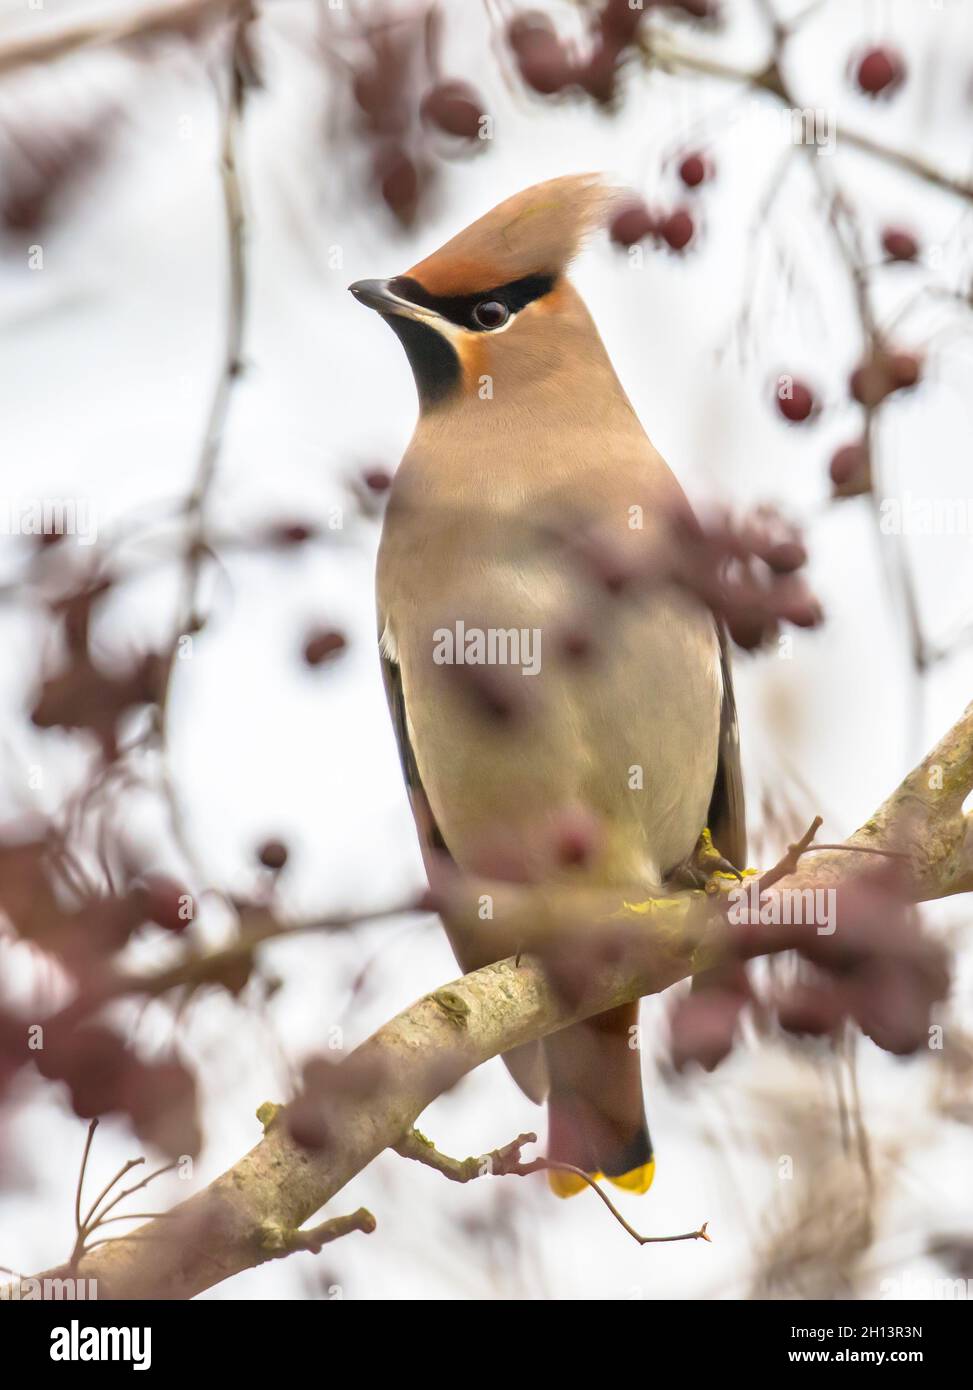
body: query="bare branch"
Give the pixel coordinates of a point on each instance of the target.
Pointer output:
(148, 23)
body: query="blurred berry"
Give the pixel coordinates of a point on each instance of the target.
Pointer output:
(541, 57)
(398, 179)
(878, 71)
(797, 403)
(165, 901)
(377, 479)
(899, 245)
(878, 376)
(870, 383)
(273, 854)
(619, 21)
(599, 74)
(380, 98)
(850, 471)
(694, 169)
(453, 107)
(748, 630)
(323, 645)
(677, 230)
(905, 369)
(633, 223)
(291, 533)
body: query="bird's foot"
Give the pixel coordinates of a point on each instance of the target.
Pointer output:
(704, 867)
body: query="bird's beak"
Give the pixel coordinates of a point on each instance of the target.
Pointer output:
(377, 295)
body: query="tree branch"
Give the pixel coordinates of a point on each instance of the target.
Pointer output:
(237, 1222)
(660, 51)
(496, 1163)
(149, 23)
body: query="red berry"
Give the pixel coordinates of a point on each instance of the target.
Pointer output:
(694, 170)
(632, 224)
(308, 1124)
(809, 1009)
(795, 401)
(524, 27)
(165, 901)
(291, 533)
(904, 369)
(598, 75)
(677, 229)
(543, 60)
(381, 99)
(870, 383)
(850, 471)
(899, 245)
(323, 645)
(377, 479)
(748, 630)
(453, 107)
(273, 854)
(879, 70)
(398, 179)
(619, 21)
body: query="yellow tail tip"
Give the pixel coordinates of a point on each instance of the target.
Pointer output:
(636, 1180)
(567, 1184)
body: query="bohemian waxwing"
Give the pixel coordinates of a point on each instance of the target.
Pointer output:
(525, 699)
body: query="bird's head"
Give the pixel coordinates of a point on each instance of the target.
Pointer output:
(494, 302)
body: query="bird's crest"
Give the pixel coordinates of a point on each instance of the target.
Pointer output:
(536, 232)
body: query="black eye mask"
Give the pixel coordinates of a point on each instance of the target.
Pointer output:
(460, 308)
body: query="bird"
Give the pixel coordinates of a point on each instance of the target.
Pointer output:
(531, 715)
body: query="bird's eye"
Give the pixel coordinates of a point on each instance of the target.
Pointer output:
(490, 313)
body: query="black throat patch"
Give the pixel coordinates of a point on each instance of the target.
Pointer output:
(432, 358)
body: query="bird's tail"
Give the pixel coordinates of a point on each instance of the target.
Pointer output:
(595, 1109)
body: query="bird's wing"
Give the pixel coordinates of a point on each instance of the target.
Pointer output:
(727, 812)
(526, 1064)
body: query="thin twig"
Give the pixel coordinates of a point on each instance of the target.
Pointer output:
(127, 1192)
(660, 51)
(496, 1163)
(547, 1165)
(788, 862)
(125, 1168)
(84, 1164)
(133, 1216)
(188, 618)
(860, 849)
(508, 1161)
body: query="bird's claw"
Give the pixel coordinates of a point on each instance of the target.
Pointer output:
(704, 866)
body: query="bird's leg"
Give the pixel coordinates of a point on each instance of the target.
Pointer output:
(704, 866)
